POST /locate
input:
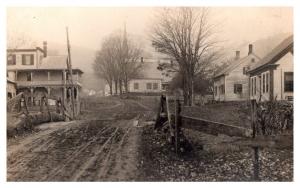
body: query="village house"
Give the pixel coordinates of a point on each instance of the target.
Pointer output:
(37, 75)
(232, 83)
(272, 77)
(145, 85)
(150, 80)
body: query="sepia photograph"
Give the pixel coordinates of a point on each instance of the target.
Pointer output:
(149, 94)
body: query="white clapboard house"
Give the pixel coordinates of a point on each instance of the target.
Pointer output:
(232, 83)
(272, 77)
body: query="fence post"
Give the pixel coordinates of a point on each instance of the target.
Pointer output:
(256, 164)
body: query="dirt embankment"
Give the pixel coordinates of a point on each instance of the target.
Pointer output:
(17, 125)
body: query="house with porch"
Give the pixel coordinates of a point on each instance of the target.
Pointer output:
(36, 75)
(272, 77)
(232, 83)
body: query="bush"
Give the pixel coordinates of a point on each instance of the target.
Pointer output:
(274, 117)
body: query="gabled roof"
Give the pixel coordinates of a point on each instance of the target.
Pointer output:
(55, 62)
(25, 50)
(235, 64)
(279, 51)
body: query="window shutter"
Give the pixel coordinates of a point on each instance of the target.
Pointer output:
(23, 59)
(31, 59)
(14, 59)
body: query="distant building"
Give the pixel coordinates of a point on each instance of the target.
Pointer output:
(272, 77)
(150, 80)
(232, 83)
(37, 75)
(145, 85)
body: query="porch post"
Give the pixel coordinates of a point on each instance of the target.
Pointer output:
(48, 90)
(31, 96)
(48, 75)
(77, 92)
(271, 84)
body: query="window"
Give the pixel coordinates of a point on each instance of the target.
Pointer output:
(27, 59)
(288, 82)
(11, 59)
(238, 88)
(28, 75)
(155, 86)
(264, 83)
(136, 86)
(149, 85)
(222, 89)
(75, 93)
(254, 85)
(216, 90)
(252, 88)
(267, 82)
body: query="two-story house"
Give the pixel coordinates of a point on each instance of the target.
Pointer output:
(37, 75)
(272, 77)
(232, 83)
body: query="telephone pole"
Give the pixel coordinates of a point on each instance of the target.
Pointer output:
(69, 66)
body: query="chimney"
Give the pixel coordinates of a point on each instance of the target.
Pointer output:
(237, 55)
(250, 49)
(142, 60)
(45, 48)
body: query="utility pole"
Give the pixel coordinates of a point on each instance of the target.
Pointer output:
(69, 66)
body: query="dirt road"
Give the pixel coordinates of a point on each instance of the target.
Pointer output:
(103, 146)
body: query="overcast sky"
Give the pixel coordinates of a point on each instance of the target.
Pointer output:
(87, 26)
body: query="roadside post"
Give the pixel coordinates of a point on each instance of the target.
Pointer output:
(256, 164)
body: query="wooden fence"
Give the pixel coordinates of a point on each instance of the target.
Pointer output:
(175, 122)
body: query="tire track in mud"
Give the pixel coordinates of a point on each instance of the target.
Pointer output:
(98, 166)
(35, 147)
(91, 161)
(110, 162)
(33, 165)
(90, 150)
(58, 171)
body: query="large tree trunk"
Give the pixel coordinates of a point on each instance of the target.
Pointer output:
(120, 86)
(116, 87)
(189, 88)
(126, 85)
(110, 88)
(185, 88)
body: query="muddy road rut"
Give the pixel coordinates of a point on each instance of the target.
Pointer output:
(102, 146)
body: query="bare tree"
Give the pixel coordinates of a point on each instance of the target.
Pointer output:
(127, 56)
(105, 66)
(186, 35)
(118, 61)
